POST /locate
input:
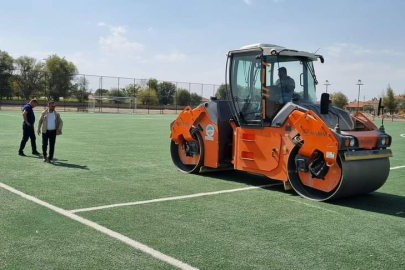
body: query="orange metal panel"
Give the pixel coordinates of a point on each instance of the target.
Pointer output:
(316, 135)
(366, 139)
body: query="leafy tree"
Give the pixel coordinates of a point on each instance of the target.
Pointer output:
(195, 99)
(30, 76)
(222, 92)
(60, 74)
(6, 69)
(368, 108)
(390, 103)
(80, 89)
(101, 92)
(131, 90)
(339, 99)
(183, 97)
(115, 92)
(152, 84)
(166, 91)
(148, 96)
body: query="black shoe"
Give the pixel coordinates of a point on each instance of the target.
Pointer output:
(36, 153)
(22, 154)
(50, 160)
(45, 159)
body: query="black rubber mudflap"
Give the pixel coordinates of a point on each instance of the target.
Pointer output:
(358, 177)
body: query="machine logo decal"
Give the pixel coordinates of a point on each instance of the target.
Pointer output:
(315, 133)
(209, 132)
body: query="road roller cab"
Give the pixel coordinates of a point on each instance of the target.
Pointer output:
(272, 125)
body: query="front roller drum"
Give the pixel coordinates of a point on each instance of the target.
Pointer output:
(357, 177)
(188, 156)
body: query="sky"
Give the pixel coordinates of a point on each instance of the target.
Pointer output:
(187, 41)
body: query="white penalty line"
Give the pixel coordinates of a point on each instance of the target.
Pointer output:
(398, 167)
(313, 206)
(171, 198)
(139, 246)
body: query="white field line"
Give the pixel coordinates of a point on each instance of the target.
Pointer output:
(158, 255)
(313, 206)
(12, 115)
(398, 167)
(171, 198)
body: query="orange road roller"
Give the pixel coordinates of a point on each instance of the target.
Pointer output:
(271, 124)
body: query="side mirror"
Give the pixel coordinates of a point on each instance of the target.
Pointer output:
(324, 103)
(380, 107)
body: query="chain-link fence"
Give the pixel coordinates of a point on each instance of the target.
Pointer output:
(95, 93)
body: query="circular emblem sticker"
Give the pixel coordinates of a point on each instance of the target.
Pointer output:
(209, 130)
(209, 133)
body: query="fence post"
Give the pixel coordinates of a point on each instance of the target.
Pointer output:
(176, 96)
(118, 104)
(101, 94)
(189, 94)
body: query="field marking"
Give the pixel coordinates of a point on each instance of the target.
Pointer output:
(139, 246)
(402, 135)
(11, 115)
(313, 206)
(170, 198)
(398, 167)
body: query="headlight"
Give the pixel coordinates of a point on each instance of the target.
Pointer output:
(383, 141)
(352, 142)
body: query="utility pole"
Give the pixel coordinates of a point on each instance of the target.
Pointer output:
(359, 83)
(326, 84)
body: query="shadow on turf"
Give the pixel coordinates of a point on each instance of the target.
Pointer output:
(59, 162)
(376, 202)
(246, 178)
(69, 165)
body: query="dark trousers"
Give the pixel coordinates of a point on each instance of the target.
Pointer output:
(28, 133)
(50, 136)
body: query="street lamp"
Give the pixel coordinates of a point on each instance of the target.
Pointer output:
(326, 84)
(359, 83)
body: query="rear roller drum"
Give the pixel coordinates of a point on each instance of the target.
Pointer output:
(346, 178)
(188, 156)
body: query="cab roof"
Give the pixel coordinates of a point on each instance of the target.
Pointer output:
(272, 49)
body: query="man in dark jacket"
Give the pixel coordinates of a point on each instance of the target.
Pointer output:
(28, 127)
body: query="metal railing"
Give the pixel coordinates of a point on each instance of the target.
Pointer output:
(78, 91)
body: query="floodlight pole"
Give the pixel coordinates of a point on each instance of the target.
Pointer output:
(359, 83)
(326, 84)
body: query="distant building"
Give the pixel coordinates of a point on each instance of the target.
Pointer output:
(369, 105)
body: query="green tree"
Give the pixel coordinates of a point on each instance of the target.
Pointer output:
(59, 77)
(30, 77)
(131, 90)
(6, 71)
(152, 84)
(80, 89)
(195, 99)
(115, 92)
(101, 92)
(148, 96)
(183, 97)
(390, 103)
(339, 99)
(166, 91)
(222, 92)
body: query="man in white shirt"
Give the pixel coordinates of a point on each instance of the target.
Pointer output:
(286, 84)
(51, 124)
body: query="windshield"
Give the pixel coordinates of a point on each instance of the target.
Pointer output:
(290, 78)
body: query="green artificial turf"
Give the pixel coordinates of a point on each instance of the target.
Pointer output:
(104, 159)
